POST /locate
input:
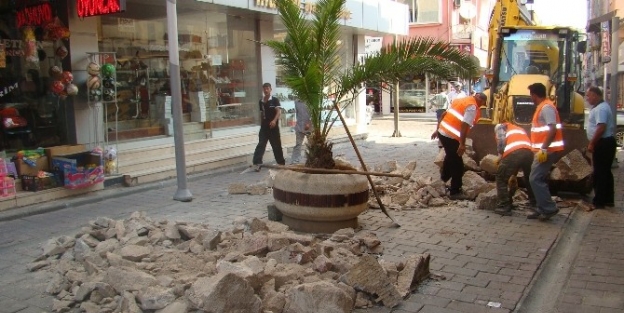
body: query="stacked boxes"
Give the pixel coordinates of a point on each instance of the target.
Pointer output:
(80, 170)
(7, 184)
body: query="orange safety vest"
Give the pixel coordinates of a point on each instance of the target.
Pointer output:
(539, 132)
(515, 139)
(451, 123)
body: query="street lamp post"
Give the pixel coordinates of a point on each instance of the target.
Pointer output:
(182, 194)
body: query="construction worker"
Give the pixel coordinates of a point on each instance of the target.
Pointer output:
(547, 142)
(452, 131)
(515, 153)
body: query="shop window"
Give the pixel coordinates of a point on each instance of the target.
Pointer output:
(412, 95)
(33, 90)
(424, 11)
(218, 67)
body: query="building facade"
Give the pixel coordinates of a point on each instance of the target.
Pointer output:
(97, 73)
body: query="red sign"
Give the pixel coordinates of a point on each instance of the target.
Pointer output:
(86, 8)
(37, 15)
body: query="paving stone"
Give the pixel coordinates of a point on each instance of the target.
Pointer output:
(456, 295)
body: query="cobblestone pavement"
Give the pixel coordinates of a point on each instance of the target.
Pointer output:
(488, 261)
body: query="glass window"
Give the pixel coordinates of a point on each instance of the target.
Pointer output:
(218, 67)
(412, 95)
(424, 11)
(35, 79)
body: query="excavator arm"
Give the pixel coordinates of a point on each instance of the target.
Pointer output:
(504, 13)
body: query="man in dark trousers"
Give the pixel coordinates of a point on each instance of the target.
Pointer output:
(547, 142)
(452, 131)
(515, 152)
(600, 131)
(270, 112)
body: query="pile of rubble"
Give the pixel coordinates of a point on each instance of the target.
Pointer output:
(411, 191)
(141, 265)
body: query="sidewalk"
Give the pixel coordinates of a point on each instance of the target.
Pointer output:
(489, 263)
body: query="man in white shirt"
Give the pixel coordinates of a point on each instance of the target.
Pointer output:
(456, 93)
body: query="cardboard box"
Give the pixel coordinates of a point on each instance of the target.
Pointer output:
(79, 170)
(63, 150)
(25, 169)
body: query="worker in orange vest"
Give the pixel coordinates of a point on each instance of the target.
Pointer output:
(515, 153)
(452, 131)
(547, 142)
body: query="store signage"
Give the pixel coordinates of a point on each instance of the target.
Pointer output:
(7, 89)
(306, 6)
(36, 15)
(605, 36)
(86, 8)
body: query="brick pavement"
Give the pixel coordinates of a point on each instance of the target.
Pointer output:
(596, 282)
(484, 258)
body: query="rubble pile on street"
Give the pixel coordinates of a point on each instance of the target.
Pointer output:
(141, 265)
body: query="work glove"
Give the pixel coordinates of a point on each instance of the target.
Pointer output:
(542, 155)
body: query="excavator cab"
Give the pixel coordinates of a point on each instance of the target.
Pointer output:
(530, 54)
(524, 55)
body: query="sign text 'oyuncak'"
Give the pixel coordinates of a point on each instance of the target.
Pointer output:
(86, 8)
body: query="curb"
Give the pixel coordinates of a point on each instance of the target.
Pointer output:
(120, 191)
(106, 194)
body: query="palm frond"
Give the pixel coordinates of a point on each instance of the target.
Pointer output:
(310, 58)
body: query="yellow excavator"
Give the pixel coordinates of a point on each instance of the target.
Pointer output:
(522, 54)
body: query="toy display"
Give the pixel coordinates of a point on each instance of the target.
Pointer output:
(30, 46)
(55, 72)
(93, 82)
(93, 69)
(71, 89)
(61, 52)
(108, 70)
(110, 160)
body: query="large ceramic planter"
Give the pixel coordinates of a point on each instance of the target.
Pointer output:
(320, 203)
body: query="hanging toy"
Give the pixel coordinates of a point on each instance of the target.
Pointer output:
(67, 77)
(93, 82)
(71, 89)
(57, 87)
(95, 95)
(55, 72)
(61, 52)
(30, 46)
(108, 70)
(93, 69)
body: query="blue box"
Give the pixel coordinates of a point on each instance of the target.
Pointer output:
(80, 170)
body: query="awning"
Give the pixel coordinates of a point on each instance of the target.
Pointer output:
(594, 23)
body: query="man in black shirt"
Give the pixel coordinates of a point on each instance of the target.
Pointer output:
(270, 112)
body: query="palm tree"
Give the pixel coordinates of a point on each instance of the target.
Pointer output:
(310, 57)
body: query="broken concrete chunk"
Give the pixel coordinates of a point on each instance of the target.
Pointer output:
(305, 299)
(415, 271)
(489, 163)
(215, 294)
(367, 275)
(237, 189)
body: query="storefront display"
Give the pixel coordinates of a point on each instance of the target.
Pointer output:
(218, 68)
(35, 74)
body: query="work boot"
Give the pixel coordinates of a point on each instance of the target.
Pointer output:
(458, 196)
(546, 216)
(503, 211)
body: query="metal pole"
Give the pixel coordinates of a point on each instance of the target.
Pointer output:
(396, 133)
(615, 44)
(615, 49)
(182, 194)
